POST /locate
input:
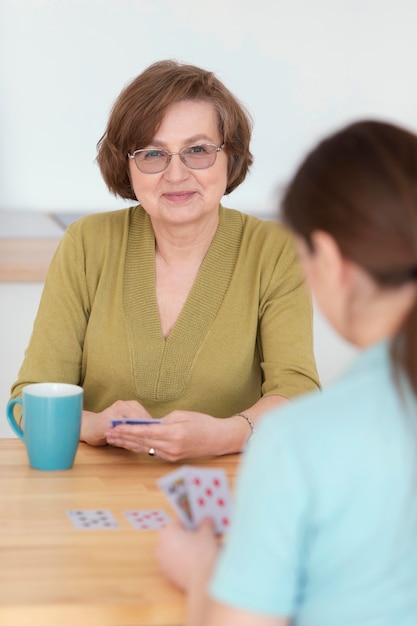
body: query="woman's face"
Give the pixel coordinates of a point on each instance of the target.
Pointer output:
(180, 195)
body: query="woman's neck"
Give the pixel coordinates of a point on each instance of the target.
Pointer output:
(379, 315)
(177, 244)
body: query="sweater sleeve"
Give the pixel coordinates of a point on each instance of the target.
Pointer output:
(55, 348)
(286, 328)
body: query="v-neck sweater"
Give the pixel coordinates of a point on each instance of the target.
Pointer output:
(245, 329)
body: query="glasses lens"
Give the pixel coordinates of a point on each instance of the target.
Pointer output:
(199, 157)
(151, 161)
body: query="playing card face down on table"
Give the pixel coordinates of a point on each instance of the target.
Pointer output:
(196, 493)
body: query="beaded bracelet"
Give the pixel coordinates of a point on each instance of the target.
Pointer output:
(251, 424)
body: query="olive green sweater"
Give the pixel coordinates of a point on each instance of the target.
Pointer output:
(245, 329)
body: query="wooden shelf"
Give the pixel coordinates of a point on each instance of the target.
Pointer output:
(26, 259)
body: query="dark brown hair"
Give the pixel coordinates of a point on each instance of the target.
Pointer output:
(141, 106)
(360, 186)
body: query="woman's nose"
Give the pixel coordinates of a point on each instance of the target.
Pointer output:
(176, 168)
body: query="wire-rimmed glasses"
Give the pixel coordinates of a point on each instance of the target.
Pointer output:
(154, 160)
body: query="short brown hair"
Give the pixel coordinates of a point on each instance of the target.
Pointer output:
(141, 106)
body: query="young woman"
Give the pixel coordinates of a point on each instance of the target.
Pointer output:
(325, 524)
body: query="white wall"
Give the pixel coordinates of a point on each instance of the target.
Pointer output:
(302, 67)
(19, 303)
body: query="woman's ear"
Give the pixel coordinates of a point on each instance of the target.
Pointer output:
(130, 178)
(328, 258)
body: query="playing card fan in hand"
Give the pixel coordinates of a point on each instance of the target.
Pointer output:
(196, 493)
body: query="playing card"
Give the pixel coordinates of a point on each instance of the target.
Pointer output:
(152, 519)
(174, 487)
(209, 496)
(92, 519)
(196, 493)
(139, 421)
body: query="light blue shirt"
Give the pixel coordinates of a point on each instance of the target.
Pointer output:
(325, 521)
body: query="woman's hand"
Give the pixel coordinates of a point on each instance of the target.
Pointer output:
(95, 425)
(183, 435)
(181, 551)
(188, 559)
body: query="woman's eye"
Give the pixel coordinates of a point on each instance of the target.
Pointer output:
(153, 154)
(196, 150)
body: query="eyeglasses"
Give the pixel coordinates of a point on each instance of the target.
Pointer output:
(154, 161)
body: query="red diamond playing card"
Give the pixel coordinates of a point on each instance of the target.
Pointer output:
(196, 493)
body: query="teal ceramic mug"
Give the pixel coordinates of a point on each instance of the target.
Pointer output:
(51, 423)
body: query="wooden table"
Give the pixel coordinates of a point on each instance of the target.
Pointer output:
(53, 574)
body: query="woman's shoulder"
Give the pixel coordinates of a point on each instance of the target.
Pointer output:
(363, 397)
(98, 224)
(256, 227)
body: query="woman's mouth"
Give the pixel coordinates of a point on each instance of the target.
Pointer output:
(179, 196)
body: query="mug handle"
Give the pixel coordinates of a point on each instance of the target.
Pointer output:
(10, 417)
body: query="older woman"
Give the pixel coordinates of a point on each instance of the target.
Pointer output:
(176, 308)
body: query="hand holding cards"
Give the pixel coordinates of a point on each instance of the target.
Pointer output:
(130, 422)
(196, 493)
